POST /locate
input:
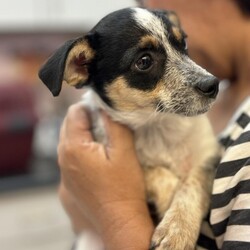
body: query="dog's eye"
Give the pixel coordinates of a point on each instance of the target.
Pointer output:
(185, 44)
(144, 63)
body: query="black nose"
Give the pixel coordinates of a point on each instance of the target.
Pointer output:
(208, 86)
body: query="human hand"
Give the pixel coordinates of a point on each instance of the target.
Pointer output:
(106, 181)
(78, 220)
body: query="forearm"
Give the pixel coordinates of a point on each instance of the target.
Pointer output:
(122, 225)
(127, 228)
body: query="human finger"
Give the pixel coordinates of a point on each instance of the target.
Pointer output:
(76, 125)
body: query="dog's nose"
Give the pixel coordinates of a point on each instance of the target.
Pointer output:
(209, 87)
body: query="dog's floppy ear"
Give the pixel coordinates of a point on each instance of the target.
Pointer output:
(69, 63)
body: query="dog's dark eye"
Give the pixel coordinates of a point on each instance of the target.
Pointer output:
(144, 63)
(185, 44)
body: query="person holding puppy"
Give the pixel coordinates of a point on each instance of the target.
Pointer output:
(110, 191)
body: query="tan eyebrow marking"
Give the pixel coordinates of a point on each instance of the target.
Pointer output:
(149, 41)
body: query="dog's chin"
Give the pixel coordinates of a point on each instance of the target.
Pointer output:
(187, 110)
(190, 113)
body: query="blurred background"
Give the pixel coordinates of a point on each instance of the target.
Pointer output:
(30, 30)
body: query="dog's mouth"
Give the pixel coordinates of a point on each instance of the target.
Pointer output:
(187, 108)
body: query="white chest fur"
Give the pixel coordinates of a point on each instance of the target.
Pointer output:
(160, 139)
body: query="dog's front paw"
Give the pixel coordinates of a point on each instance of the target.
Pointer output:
(175, 232)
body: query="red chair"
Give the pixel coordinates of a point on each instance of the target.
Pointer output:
(17, 123)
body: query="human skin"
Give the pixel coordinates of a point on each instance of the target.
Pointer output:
(218, 39)
(98, 182)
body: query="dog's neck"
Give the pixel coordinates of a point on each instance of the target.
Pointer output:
(141, 120)
(165, 124)
(153, 134)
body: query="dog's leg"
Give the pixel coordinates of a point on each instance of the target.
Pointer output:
(179, 228)
(161, 184)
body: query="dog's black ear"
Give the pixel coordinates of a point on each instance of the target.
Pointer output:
(69, 63)
(176, 28)
(173, 18)
(170, 15)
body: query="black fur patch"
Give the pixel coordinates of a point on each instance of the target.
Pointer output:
(116, 40)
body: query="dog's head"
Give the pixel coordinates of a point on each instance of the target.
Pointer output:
(135, 59)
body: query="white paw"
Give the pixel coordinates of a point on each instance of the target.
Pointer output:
(175, 232)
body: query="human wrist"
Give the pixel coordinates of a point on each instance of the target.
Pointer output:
(126, 226)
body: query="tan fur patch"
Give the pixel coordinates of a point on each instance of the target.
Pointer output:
(149, 41)
(179, 227)
(177, 33)
(126, 98)
(161, 184)
(74, 74)
(173, 18)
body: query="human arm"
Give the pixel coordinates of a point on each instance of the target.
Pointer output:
(106, 182)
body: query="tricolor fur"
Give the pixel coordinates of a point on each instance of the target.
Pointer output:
(134, 64)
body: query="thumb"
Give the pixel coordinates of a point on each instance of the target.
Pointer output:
(77, 125)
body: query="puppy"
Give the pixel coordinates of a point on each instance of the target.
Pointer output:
(134, 65)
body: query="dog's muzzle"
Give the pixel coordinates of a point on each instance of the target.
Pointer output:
(208, 86)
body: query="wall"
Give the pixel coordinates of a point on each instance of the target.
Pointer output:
(51, 15)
